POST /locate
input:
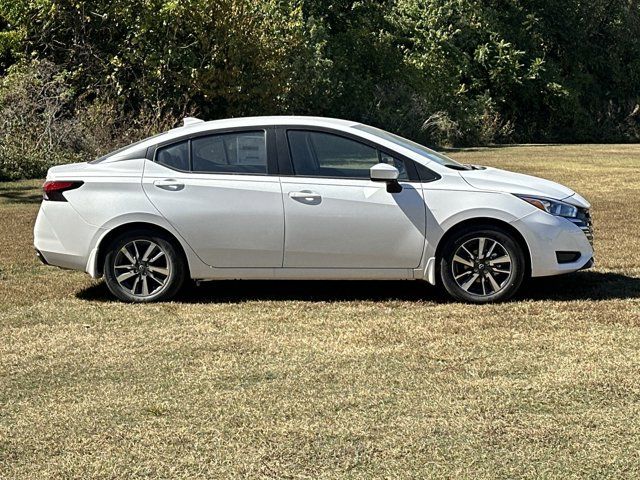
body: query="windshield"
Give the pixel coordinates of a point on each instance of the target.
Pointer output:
(413, 146)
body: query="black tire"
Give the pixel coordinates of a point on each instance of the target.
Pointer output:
(148, 275)
(483, 267)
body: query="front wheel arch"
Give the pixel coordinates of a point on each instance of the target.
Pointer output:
(105, 242)
(479, 223)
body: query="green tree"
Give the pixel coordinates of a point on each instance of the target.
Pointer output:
(439, 71)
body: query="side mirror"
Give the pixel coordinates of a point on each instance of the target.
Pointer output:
(383, 172)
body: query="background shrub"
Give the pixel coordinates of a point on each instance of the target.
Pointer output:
(33, 133)
(81, 78)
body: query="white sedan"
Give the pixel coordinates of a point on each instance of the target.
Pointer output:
(304, 198)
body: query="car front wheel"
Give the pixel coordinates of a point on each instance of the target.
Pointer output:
(143, 267)
(481, 265)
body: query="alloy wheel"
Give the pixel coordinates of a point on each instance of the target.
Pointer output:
(482, 266)
(142, 268)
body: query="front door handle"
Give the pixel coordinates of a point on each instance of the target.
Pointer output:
(305, 195)
(169, 184)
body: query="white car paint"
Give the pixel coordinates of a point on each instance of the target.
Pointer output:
(356, 224)
(230, 220)
(497, 180)
(268, 226)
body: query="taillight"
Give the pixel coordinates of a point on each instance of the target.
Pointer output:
(53, 190)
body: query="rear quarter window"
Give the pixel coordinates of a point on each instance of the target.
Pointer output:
(174, 156)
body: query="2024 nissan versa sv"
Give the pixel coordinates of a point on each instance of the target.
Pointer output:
(304, 198)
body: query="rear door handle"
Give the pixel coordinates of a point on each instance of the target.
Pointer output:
(306, 195)
(169, 184)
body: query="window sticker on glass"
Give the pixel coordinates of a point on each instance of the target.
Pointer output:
(230, 153)
(251, 150)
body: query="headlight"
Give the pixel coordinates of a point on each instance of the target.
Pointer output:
(554, 207)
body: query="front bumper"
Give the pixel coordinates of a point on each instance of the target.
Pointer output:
(590, 263)
(546, 234)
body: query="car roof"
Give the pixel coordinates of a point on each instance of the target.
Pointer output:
(271, 120)
(196, 126)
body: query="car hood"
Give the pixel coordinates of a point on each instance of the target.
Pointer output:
(494, 179)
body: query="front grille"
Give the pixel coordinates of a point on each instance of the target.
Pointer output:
(583, 220)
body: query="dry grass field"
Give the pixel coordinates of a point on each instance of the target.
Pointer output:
(331, 379)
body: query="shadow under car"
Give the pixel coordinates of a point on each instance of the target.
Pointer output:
(584, 285)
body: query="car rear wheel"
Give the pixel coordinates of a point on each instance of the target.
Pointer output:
(482, 265)
(143, 267)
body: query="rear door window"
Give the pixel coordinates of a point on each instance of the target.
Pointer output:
(242, 152)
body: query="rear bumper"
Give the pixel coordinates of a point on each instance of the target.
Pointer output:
(40, 256)
(66, 241)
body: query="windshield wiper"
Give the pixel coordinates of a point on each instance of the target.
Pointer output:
(458, 166)
(465, 166)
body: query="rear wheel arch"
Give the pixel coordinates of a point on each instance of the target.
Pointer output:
(150, 228)
(480, 223)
